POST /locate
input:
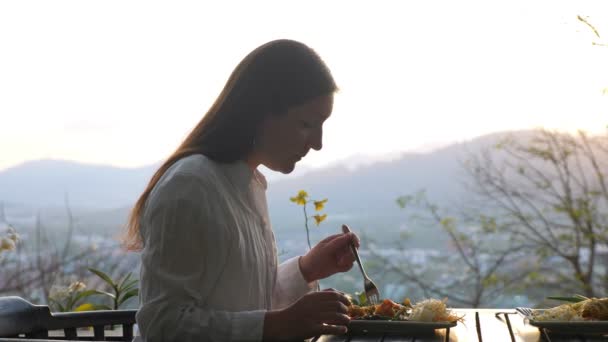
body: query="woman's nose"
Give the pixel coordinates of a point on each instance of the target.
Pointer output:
(316, 141)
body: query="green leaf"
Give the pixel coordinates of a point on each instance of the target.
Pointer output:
(124, 280)
(362, 298)
(462, 237)
(543, 252)
(403, 201)
(488, 224)
(132, 293)
(490, 280)
(85, 294)
(111, 295)
(448, 223)
(69, 303)
(103, 276)
(572, 299)
(129, 285)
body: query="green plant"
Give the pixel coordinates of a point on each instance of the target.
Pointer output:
(302, 199)
(358, 298)
(68, 298)
(123, 289)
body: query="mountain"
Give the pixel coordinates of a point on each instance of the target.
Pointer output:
(46, 183)
(367, 192)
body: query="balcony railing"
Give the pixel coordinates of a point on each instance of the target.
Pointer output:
(22, 319)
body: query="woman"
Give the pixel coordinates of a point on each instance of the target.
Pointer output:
(209, 261)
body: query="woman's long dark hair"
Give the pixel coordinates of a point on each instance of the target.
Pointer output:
(272, 78)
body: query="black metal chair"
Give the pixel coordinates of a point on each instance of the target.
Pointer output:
(24, 320)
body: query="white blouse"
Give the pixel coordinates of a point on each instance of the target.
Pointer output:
(209, 263)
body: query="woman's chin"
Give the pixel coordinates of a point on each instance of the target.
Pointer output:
(285, 168)
(288, 168)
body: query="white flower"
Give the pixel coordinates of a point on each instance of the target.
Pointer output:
(77, 286)
(7, 244)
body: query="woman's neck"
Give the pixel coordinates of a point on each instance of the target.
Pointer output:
(252, 161)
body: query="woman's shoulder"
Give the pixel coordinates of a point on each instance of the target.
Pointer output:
(197, 166)
(190, 175)
(195, 163)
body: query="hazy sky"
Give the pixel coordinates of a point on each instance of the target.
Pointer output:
(122, 82)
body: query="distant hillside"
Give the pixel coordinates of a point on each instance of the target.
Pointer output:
(105, 193)
(45, 183)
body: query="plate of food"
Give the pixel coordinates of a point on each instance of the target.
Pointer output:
(581, 315)
(391, 317)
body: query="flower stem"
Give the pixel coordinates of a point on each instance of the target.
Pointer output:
(306, 226)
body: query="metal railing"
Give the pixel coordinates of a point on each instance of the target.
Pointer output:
(21, 319)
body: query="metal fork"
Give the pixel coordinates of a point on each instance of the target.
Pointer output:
(371, 290)
(525, 311)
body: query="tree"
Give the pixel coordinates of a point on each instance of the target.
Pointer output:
(536, 222)
(550, 194)
(592, 28)
(478, 264)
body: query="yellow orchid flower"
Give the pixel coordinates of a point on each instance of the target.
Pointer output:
(319, 218)
(319, 205)
(300, 199)
(85, 307)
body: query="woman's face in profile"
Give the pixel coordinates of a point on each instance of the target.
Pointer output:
(285, 139)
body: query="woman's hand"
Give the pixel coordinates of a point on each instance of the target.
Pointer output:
(330, 256)
(316, 313)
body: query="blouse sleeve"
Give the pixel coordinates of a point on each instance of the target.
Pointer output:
(290, 284)
(184, 247)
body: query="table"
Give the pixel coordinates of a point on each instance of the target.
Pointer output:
(491, 329)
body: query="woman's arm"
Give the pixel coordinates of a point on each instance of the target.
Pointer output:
(290, 284)
(297, 276)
